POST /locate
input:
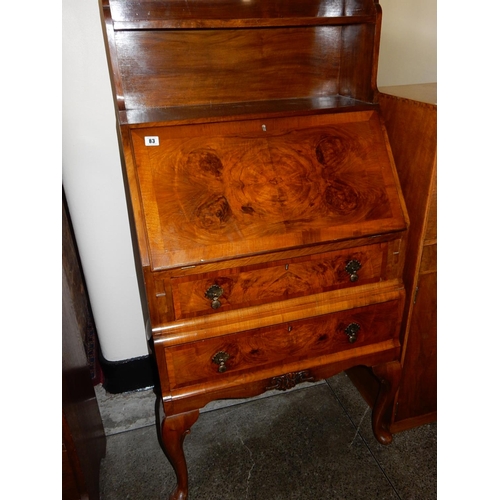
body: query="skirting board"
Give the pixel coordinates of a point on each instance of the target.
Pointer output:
(128, 375)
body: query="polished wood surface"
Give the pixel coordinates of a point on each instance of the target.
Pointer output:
(174, 429)
(287, 54)
(282, 344)
(274, 313)
(83, 439)
(270, 220)
(219, 191)
(389, 375)
(411, 121)
(209, 76)
(410, 115)
(176, 14)
(281, 279)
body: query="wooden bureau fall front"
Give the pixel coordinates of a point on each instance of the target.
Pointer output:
(267, 209)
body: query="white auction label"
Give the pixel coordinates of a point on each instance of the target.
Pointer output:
(152, 140)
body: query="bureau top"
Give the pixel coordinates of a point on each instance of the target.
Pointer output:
(181, 14)
(204, 60)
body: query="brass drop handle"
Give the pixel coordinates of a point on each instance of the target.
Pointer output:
(221, 359)
(352, 267)
(214, 293)
(352, 331)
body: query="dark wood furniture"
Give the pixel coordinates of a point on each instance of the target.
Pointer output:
(83, 439)
(410, 116)
(268, 214)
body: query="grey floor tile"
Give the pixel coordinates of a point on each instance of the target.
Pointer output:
(315, 442)
(126, 411)
(223, 403)
(410, 461)
(135, 467)
(136, 409)
(297, 445)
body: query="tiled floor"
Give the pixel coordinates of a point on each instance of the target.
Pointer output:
(311, 442)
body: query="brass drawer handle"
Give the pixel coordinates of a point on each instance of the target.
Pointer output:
(221, 359)
(352, 332)
(352, 267)
(214, 293)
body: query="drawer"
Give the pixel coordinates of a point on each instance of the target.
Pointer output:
(280, 345)
(284, 279)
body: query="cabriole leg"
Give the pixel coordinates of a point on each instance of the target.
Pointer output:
(389, 375)
(174, 430)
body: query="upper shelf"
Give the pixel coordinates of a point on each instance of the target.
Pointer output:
(195, 60)
(189, 14)
(241, 110)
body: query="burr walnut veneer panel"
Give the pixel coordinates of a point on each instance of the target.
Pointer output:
(278, 280)
(218, 191)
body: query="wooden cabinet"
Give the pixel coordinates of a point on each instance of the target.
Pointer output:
(410, 115)
(83, 438)
(269, 217)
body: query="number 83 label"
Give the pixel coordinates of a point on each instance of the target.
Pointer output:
(152, 140)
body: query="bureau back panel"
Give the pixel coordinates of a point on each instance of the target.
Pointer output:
(218, 191)
(171, 54)
(177, 68)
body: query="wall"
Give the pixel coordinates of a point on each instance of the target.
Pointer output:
(408, 52)
(92, 179)
(92, 175)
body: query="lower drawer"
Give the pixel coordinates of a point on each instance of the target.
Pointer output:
(280, 345)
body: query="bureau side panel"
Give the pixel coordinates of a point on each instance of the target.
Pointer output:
(134, 198)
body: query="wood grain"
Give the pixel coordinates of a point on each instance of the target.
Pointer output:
(282, 344)
(412, 128)
(179, 68)
(224, 13)
(410, 115)
(274, 313)
(418, 393)
(220, 191)
(279, 280)
(271, 169)
(428, 263)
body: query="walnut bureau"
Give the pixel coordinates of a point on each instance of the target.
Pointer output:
(269, 219)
